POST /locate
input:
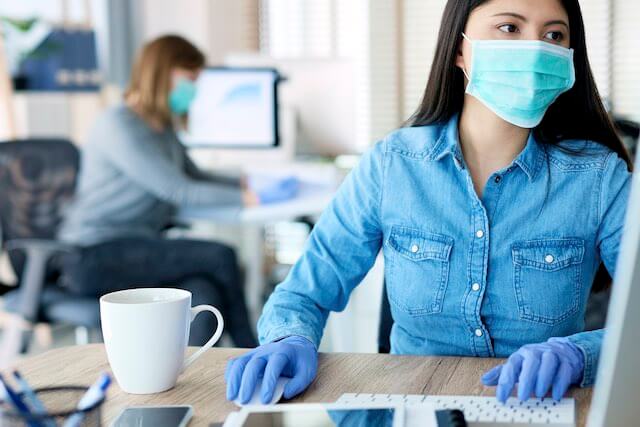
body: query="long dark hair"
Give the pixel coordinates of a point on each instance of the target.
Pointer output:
(577, 114)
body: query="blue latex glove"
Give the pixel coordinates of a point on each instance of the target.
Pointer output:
(294, 357)
(277, 190)
(555, 364)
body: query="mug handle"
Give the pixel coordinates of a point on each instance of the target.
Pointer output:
(214, 339)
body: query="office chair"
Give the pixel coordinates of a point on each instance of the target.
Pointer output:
(629, 132)
(37, 179)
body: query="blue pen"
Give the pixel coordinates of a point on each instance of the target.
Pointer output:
(18, 404)
(31, 398)
(91, 397)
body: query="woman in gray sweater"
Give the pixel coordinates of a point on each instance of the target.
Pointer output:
(134, 173)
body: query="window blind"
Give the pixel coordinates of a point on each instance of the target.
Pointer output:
(421, 23)
(297, 28)
(597, 16)
(362, 31)
(384, 71)
(626, 58)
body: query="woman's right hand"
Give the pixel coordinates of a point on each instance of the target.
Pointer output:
(249, 198)
(256, 193)
(294, 357)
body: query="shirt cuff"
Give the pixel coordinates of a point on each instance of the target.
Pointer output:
(589, 344)
(280, 332)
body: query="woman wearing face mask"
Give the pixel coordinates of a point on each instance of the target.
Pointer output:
(134, 173)
(494, 209)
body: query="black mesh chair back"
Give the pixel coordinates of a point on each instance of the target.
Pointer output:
(37, 179)
(629, 131)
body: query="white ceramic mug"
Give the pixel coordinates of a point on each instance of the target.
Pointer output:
(146, 332)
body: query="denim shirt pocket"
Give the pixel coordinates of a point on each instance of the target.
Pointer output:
(547, 278)
(418, 270)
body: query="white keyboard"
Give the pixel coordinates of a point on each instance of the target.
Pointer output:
(485, 411)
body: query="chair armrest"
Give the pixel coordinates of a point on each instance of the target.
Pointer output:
(37, 253)
(176, 225)
(48, 247)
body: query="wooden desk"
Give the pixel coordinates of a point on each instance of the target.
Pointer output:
(203, 386)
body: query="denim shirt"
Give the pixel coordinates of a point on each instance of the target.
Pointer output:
(466, 276)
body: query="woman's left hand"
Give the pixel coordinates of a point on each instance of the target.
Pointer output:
(555, 364)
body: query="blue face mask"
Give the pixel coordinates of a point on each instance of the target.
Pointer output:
(519, 79)
(181, 96)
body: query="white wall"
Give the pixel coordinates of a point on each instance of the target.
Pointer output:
(50, 10)
(188, 18)
(217, 27)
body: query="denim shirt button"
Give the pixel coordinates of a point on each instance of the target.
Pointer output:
(475, 287)
(478, 332)
(549, 259)
(414, 248)
(479, 234)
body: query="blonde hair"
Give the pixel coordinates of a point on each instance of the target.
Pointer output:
(150, 82)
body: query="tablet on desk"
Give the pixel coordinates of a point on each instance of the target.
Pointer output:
(318, 415)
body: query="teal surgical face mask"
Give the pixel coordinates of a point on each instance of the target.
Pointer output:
(181, 96)
(519, 79)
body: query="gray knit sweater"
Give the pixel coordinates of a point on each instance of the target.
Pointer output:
(131, 180)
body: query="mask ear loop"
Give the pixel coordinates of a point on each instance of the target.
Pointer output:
(463, 70)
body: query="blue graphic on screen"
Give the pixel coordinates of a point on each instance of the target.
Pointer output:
(233, 107)
(249, 93)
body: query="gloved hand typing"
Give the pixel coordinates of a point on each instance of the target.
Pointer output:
(555, 364)
(273, 190)
(294, 357)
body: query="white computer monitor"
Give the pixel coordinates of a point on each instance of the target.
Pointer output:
(235, 107)
(316, 114)
(322, 93)
(615, 398)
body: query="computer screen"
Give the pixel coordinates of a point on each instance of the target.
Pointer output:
(322, 92)
(615, 398)
(234, 108)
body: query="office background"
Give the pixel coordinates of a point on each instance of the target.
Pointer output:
(388, 44)
(356, 70)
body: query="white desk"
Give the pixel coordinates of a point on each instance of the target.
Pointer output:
(313, 198)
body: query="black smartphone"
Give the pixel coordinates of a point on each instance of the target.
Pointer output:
(154, 416)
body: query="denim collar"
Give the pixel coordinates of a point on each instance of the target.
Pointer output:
(529, 160)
